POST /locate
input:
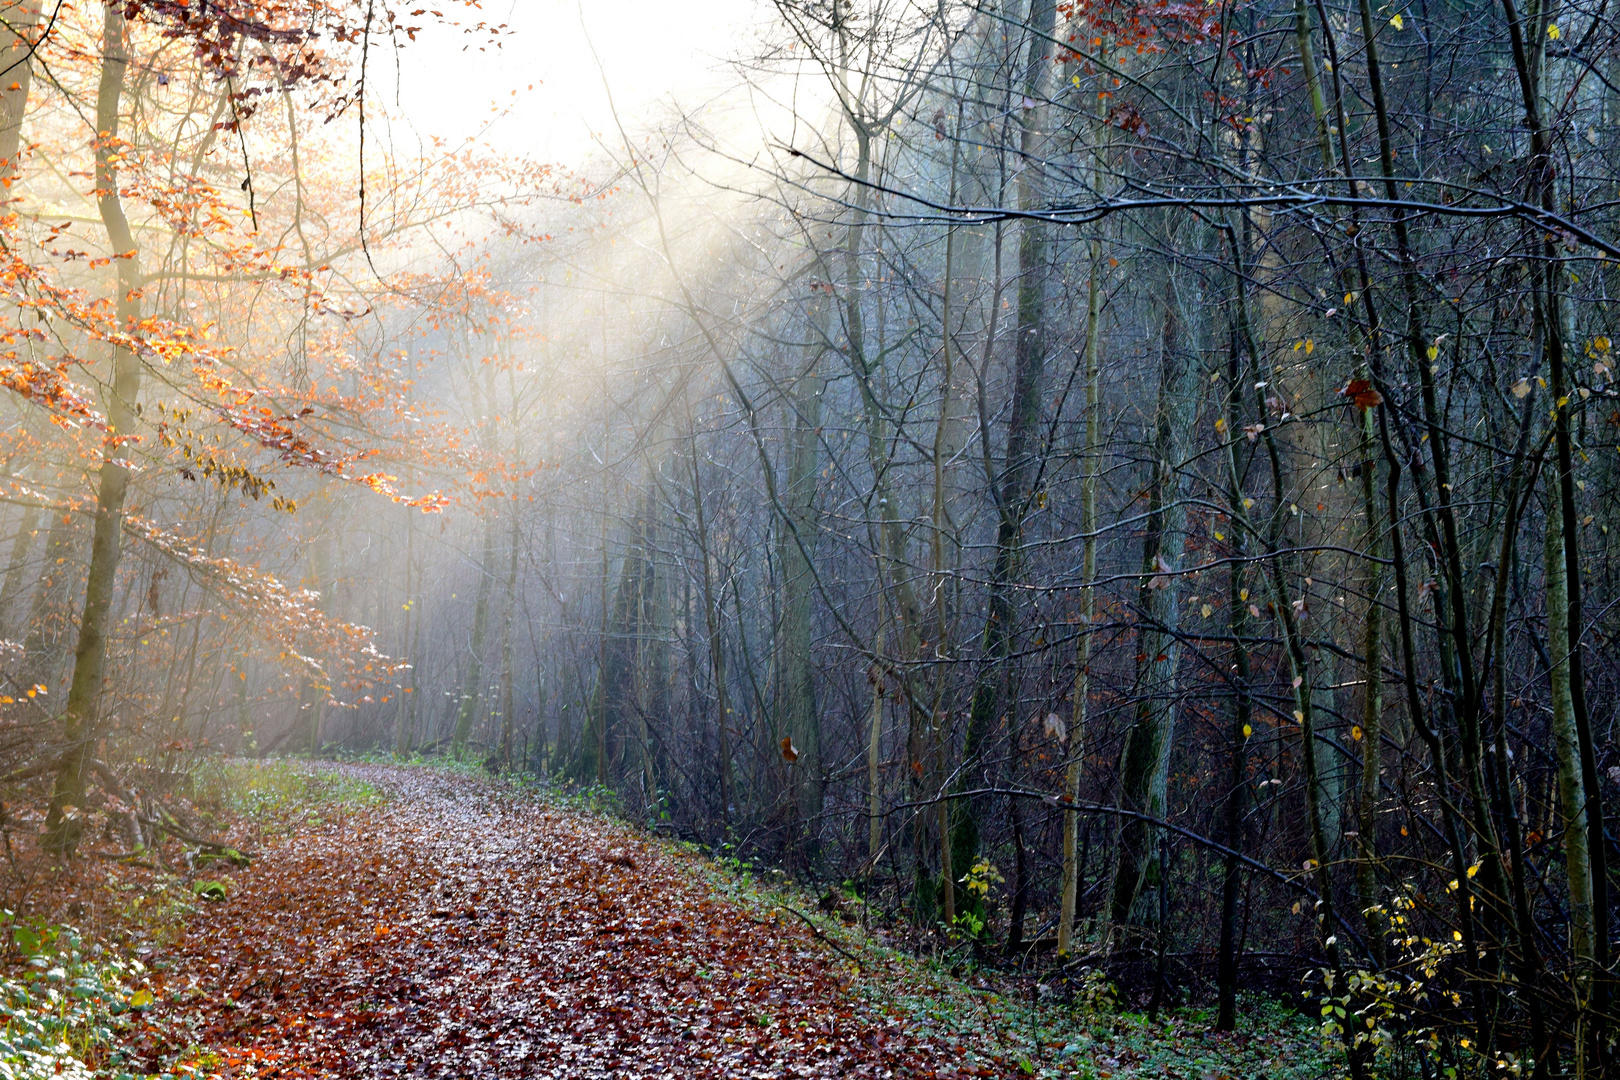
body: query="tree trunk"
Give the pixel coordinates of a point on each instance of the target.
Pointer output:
(717, 654)
(1237, 774)
(1012, 488)
(1145, 760)
(17, 567)
(472, 687)
(797, 716)
(402, 728)
(81, 714)
(19, 25)
(1572, 798)
(509, 608)
(49, 621)
(1372, 698)
(1076, 745)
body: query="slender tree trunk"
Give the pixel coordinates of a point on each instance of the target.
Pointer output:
(939, 586)
(48, 622)
(19, 30)
(894, 571)
(598, 741)
(1076, 747)
(797, 716)
(509, 608)
(1372, 697)
(1367, 468)
(874, 752)
(1145, 760)
(1529, 57)
(717, 653)
(17, 568)
(1012, 488)
(312, 692)
(1572, 797)
(1237, 773)
(81, 714)
(473, 685)
(402, 731)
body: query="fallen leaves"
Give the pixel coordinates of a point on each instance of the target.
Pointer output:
(463, 930)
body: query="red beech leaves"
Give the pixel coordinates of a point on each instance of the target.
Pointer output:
(1362, 393)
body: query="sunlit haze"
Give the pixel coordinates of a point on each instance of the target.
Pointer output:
(543, 93)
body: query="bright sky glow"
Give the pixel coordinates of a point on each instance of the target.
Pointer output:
(651, 52)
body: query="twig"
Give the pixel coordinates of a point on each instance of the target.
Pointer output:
(816, 930)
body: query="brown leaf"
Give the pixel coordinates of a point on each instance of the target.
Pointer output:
(1362, 393)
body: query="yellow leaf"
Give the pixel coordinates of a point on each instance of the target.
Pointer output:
(1247, 731)
(1220, 536)
(1553, 32)
(1397, 22)
(1243, 594)
(140, 999)
(1355, 732)
(1310, 346)
(1433, 352)
(1220, 423)
(1206, 611)
(1299, 717)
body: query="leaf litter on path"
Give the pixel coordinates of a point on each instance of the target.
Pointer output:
(464, 929)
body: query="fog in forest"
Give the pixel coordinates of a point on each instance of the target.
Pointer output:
(1114, 483)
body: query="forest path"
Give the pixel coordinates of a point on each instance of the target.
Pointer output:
(466, 930)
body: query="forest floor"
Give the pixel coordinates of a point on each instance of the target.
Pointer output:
(425, 923)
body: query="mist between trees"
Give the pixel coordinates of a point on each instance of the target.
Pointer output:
(1123, 485)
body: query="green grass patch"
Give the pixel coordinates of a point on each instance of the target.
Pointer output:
(283, 791)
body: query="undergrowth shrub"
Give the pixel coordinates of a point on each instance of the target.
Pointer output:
(65, 1007)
